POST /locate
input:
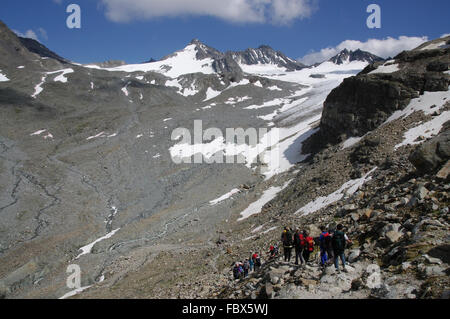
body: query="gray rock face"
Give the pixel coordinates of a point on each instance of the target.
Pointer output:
(360, 104)
(204, 51)
(432, 154)
(227, 66)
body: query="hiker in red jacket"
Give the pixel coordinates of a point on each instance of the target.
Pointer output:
(300, 245)
(309, 246)
(256, 261)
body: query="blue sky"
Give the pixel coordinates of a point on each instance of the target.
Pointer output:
(152, 28)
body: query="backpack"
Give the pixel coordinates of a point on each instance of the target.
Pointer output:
(339, 241)
(273, 250)
(328, 241)
(287, 238)
(302, 241)
(236, 272)
(324, 238)
(310, 241)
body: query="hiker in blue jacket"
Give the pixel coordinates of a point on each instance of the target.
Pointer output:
(323, 240)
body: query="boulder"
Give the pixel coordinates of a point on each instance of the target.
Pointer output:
(421, 192)
(433, 154)
(444, 172)
(390, 228)
(406, 265)
(394, 236)
(354, 254)
(269, 290)
(434, 271)
(432, 260)
(313, 230)
(308, 282)
(274, 280)
(357, 284)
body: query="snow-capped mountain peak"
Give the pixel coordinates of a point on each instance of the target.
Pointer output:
(346, 56)
(266, 55)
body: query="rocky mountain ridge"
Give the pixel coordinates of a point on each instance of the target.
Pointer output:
(346, 56)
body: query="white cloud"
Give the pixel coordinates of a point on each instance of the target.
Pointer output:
(32, 34)
(384, 48)
(43, 33)
(445, 35)
(28, 34)
(240, 11)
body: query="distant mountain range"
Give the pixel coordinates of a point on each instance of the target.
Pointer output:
(224, 62)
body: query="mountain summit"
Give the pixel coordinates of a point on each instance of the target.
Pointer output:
(266, 55)
(349, 56)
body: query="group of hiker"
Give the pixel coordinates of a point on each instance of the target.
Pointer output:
(331, 243)
(301, 241)
(241, 269)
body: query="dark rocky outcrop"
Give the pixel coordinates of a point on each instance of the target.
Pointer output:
(361, 104)
(229, 68)
(41, 50)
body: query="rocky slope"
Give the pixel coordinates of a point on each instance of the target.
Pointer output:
(87, 164)
(397, 216)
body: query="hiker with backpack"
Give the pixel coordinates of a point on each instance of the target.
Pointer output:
(300, 245)
(251, 263)
(286, 238)
(339, 242)
(273, 252)
(236, 271)
(257, 261)
(324, 240)
(309, 249)
(329, 246)
(246, 268)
